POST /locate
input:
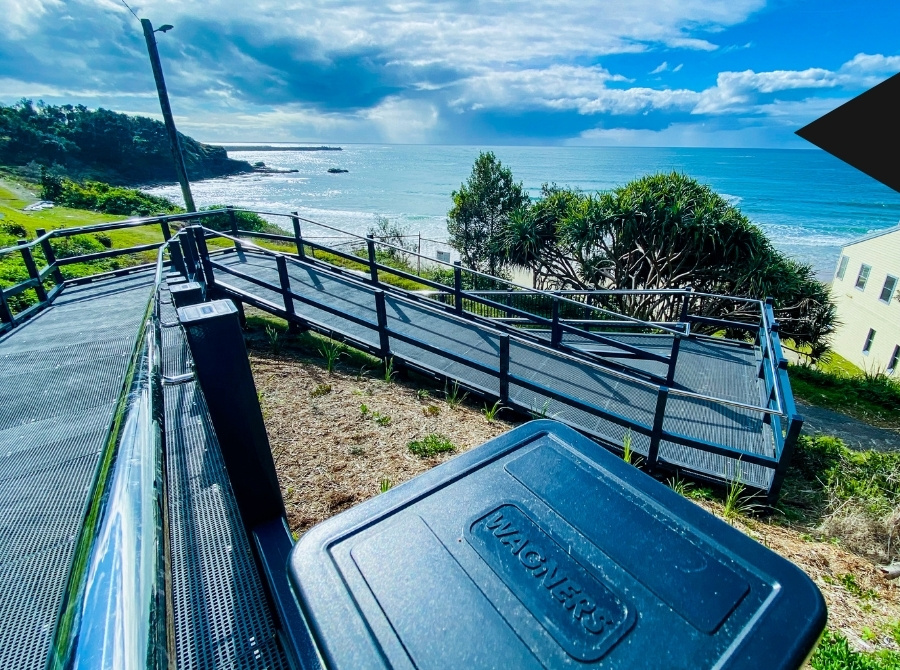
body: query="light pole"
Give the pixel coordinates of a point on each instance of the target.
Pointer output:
(177, 156)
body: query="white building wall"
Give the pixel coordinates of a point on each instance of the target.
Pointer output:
(860, 309)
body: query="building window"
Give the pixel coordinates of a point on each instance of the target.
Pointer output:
(887, 291)
(892, 364)
(869, 338)
(842, 267)
(863, 276)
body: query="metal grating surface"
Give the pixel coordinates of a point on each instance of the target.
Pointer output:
(721, 369)
(222, 619)
(60, 374)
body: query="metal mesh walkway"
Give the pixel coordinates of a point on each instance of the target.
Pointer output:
(222, 617)
(60, 376)
(705, 366)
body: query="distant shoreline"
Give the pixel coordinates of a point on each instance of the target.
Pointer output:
(269, 147)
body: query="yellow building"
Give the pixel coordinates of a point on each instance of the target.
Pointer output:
(868, 302)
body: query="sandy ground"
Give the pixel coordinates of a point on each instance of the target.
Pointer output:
(330, 455)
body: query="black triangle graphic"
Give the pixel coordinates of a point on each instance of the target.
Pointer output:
(864, 132)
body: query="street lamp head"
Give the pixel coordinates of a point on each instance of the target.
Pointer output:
(164, 28)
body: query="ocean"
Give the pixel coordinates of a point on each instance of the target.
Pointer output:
(808, 202)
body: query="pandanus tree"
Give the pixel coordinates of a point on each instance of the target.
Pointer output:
(659, 232)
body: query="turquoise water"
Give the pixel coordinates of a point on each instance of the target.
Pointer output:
(808, 202)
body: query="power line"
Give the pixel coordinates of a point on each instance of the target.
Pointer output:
(130, 10)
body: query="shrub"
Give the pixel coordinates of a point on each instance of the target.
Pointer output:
(100, 197)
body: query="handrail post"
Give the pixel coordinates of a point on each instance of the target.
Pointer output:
(164, 227)
(177, 257)
(6, 315)
(285, 280)
(232, 220)
(384, 343)
(662, 397)
(457, 287)
(686, 304)
(298, 238)
(373, 263)
(33, 271)
(784, 460)
(205, 270)
(673, 358)
(555, 328)
(190, 257)
(50, 255)
(504, 369)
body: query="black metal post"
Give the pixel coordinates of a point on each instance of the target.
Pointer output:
(457, 287)
(673, 358)
(662, 397)
(174, 142)
(384, 343)
(28, 259)
(285, 279)
(784, 461)
(298, 238)
(206, 271)
(686, 304)
(373, 263)
(190, 256)
(555, 329)
(177, 257)
(223, 371)
(504, 369)
(50, 255)
(6, 315)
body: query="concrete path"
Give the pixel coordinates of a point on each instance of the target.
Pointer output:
(856, 434)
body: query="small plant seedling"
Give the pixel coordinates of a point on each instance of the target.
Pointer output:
(431, 410)
(868, 634)
(628, 454)
(273, 334)
(701, 493)
(364, 410)
(330, 351)
(386, 485)
(381, 419)
(320, 390)
(540, 413)
(454, 399)
(362, 373)
(680, 486)
(389, 371)
(848, 581)
(423, 394)
(490, 413)
(894, 631)
(431, 445)
(357, 451)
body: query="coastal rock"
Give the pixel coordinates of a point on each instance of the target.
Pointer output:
(337, 170)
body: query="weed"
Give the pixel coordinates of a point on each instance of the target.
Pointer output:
(835, 653)
(540, 413)
(389, 371)
(423, 394)
(431, 445)
(868, 634)
(431, 410)
(454, 399)
(848, 581)
(357, 451)
(381, 419)
(628, 454)
(273, 334)
(362, 373)
(894, 631)
(701, 493)
(364, 410)
(386, 485)
(680, 486)
(330, 351)
(736, 504)
(490, 413)
(320, 390)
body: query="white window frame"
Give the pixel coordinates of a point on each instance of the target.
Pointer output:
(867, 345)
(891, 294)
(843, 262)
(863, 270)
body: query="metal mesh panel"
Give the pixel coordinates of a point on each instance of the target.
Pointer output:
(222, 619)
(60, 374)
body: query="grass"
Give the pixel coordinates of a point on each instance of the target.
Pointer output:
(452, 395)
(490, 413)
(870, 397)
(431, 445)
(628, 454)
(834, 653)
(330, 351)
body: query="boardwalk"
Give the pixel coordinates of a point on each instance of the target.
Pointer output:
(706, 366)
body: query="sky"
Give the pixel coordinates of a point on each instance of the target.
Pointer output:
(704, 73)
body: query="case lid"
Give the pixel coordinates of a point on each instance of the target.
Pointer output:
(542, 549)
